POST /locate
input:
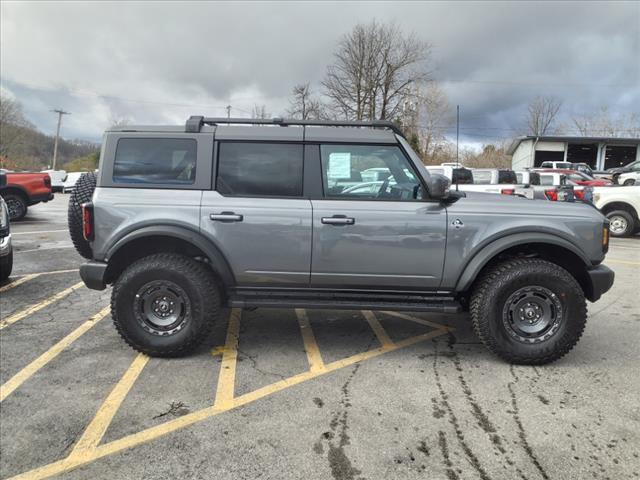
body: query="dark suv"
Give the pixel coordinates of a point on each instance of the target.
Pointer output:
(274, 213)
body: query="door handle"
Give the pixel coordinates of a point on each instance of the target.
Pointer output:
(226, 217)
(338, 220)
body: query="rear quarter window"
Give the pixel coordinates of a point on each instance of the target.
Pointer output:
(155, 161)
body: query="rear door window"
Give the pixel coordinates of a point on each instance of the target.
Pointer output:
(155, 161)
(259, 169)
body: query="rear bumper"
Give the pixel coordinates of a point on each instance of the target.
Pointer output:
(600, 279)
(92, 274)
(40, 198)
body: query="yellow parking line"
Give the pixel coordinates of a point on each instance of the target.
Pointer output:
(28, 371)
(19, 281)
(227, 377)
(38, 306)
(623, 262)
(152, 433)
(98, 426)
(411, 318)
(310, 345)
(377, 328)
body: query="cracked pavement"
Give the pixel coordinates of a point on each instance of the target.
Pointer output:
(440, 409)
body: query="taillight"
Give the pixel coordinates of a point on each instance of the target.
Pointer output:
(579, 194)
(87, 221)
(551, 194)
(507, 191)
(47, 181)
(605, 237)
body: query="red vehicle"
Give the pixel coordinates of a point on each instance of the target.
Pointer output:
(23, 190)
(579, 178)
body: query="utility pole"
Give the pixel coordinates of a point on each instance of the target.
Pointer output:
(457, 134)
(55, 143)
(228, 111)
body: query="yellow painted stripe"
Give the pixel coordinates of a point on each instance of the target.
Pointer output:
(227, 377)
(152, 433)
(421, 321)
(19, 281)
(28, 371)
(38, 306)
(58, 271)
(622, 262)
(377, 328)
(316, 364)
(219, 350)
(98, 426)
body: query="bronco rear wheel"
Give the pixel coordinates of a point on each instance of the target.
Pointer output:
(165, 305)
(528, 311)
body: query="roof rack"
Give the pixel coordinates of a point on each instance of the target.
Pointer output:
(195, 123)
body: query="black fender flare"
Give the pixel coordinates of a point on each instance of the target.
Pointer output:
(495, 247)
(216, 258)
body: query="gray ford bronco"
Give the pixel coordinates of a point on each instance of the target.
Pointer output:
(186, 220)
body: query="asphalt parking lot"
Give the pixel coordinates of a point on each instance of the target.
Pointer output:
(291, 394)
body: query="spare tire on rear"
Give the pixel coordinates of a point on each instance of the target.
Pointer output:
(82, 193)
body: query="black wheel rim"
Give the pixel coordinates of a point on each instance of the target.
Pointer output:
(532, 314)
(162, 307)
(15, 207)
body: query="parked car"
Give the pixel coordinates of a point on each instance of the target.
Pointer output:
(70, 181)
(563, 165)
(57, 179)
(630, 167)
(621, 206)
(583, 168)
(581, 178)
(494, 176)
(23, 190)
(629, 178)
(180, 239)
(6, 250)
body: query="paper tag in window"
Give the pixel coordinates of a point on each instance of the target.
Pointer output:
(339, 165)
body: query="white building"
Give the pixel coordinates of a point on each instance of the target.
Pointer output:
(599, 153)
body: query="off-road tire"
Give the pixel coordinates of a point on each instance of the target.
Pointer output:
(6, 265)
(628, 218)
(492, 291)
(82, 193)
(17, 205)
(197, 282)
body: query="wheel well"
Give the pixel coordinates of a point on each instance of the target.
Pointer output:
(15, 191)
(561, 256)
(610, 207)
(149, 245)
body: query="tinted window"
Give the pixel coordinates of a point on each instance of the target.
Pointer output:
(260, 169)
(462, 176)
(506, 177)
(155, 160)
(367, 172)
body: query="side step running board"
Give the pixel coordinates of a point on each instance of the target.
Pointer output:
(446, 306)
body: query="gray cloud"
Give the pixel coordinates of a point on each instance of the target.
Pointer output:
(160, 62)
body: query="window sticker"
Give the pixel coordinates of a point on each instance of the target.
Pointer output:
(339, 165)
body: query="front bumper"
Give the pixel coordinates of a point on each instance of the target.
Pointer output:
(92, 274)
(600, 281)
(5, 245)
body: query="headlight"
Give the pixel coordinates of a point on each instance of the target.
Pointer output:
(4, 216)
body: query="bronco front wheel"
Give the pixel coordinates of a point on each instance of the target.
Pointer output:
(528, 311)
(165, 305)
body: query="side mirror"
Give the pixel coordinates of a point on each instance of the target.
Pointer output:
(439, 187)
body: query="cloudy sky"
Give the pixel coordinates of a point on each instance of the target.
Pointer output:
(159, 62)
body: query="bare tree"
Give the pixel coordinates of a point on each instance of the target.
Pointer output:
(260, 111)
(435, 115)
(13, 125)
(117, 121)
(375, 69)
(603, 124)
(303, 105)
(541, 116)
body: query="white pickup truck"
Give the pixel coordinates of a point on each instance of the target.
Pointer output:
(621, 205)
(466, 180)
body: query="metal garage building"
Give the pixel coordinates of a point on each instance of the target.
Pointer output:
(599, 153)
